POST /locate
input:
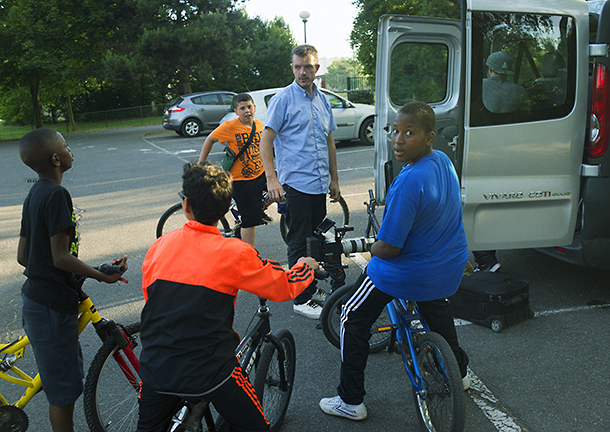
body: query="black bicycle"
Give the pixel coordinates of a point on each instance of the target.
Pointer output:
(269, 359)
(173, 217)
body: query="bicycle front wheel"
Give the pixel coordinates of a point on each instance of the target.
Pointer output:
(174, 218)
(336, 211)
(274, 394)
(110, 399)
(440, 405)
(331, 321)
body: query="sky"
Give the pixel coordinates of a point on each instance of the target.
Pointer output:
(328, 27)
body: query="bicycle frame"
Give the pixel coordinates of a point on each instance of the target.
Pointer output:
(255, 337)
(261, 332)
(87, 313)
(403, 315)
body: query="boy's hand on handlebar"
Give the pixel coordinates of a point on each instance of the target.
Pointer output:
(310, 262)
(121, 262)
(118, 264)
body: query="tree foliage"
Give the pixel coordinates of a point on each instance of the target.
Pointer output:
(363, 38)
(338, 72)
(105, 54)
(50, 43)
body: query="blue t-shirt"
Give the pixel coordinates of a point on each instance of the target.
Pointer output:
(422, 216)
(302, 125)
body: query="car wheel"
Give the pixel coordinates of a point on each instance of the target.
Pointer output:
(191, 127)
(367, 131)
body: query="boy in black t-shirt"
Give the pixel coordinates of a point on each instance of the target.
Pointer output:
(48, 249)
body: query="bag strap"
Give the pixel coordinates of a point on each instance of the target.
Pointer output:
(244, 148)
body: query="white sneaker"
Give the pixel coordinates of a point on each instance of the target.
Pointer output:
(319, 296)
(310, 309)
(335, 406)
(466, 383)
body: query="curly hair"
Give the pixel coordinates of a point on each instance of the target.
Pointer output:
(423, 112)
(209, 190)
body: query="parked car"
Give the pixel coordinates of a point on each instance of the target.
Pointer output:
(533, 175)
(354, 120)
(189, 115)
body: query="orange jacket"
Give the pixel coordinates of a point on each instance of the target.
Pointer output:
(190, 278)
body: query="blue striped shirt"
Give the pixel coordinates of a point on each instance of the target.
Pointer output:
(302, 125)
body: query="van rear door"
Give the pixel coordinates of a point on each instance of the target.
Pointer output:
(518, 158)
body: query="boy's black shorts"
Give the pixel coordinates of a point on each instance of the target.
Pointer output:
(54, 339)
(248, 195)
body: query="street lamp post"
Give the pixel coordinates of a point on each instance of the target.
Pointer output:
(304, 15)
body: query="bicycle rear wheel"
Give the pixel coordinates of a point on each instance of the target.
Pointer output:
(174, 218)
(336, 211)
(267, 382)
(441, 405)
(331, 321)
(109, 399)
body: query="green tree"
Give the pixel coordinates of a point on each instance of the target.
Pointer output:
(182, 36)
(50, 43)
(207, 45)
(338, 72)
(363, 38)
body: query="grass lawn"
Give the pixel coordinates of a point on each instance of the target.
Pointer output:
(16, 132)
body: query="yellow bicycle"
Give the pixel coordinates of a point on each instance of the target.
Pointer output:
(111, 382)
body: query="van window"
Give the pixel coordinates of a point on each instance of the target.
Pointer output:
(523, 67)
(418, 71)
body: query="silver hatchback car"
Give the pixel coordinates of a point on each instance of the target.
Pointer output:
(189, 115)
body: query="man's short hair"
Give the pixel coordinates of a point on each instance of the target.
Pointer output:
(305, 50)
(241, 97)
(209, 190)
(423, 112)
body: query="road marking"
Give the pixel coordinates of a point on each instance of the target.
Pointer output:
(497, 414)
(165, 151)
(356, 151)
(355, 169)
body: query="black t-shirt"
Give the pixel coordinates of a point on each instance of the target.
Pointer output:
(47, 211)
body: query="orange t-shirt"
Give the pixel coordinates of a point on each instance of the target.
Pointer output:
(249, 165)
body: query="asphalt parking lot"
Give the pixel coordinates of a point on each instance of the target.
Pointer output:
(550, 373)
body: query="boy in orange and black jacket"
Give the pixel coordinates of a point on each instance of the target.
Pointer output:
(190, 278)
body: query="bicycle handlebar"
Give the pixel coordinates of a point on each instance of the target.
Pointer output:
(320, 274)
(111, 269)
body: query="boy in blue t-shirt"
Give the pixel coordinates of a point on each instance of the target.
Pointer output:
(420, 255)
(48, 249)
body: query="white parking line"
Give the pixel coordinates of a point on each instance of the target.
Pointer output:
(369, 168)
(165, 151)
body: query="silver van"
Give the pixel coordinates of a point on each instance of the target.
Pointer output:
(535, 166)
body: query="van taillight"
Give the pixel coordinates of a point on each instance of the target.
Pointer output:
(600, 117)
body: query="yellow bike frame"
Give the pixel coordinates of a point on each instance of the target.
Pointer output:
(86, 313)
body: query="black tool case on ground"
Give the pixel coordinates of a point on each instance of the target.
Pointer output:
(492, 299)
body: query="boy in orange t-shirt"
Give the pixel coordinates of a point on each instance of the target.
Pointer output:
(247, 171)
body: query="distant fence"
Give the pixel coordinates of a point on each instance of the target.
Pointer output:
(121, 117)
(118, 115)
(360, 83)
